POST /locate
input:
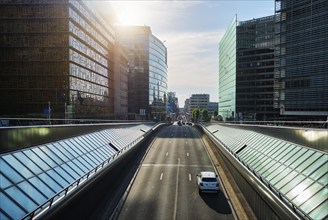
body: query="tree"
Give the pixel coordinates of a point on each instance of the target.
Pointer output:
(205, 115)
(195, 114)
(215, 113)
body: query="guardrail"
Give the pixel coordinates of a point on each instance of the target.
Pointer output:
(261, 186)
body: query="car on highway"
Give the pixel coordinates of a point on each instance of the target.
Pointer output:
(207, 181)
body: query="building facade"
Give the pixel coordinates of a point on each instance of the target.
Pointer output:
(301, 71)
(227, 71)
(55, 60)
(121, 74)
(199, 101)
(148, 71)
(255, 69)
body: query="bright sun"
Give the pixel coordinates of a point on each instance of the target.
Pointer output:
(129, 12)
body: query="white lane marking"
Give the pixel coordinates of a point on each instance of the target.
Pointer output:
(187, 154)
(161, 176)
(189, 177)
(167, 153)
(176, 192)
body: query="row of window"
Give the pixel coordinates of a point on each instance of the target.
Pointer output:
(40, 40)
(34, 10)
(34, 54)
(87, 63)
(90, 17)
(86, 38)
(78, 45)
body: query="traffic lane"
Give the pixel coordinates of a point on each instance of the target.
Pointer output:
(171, 192)
(195, 205)
(166, 180)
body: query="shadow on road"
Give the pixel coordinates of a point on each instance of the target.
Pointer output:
(217, 202)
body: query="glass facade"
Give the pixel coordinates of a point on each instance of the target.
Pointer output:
(29, 177)
(59, 58)
(297, 173)
(255, 69)
(227, 71)
(147, 71)
(301, 57)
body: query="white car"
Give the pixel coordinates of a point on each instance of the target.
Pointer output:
(207, 181)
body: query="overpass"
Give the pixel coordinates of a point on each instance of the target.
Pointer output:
(277, 177)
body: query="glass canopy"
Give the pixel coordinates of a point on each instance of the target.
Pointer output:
(29, 177)
(299, 173)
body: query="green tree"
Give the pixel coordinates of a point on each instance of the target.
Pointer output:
(195, 114)
(215, 113)
(205, 115)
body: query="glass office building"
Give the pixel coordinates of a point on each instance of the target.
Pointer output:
(148, 71)
(55, 59)
(255, 69)
(301, 72)
(227, 71)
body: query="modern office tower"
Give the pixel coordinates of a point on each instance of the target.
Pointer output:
(147, 71)
(255, 69)
(54, 55)
(227, 71)
(212, 106)
(301, 71)
(121, 74)
(199, 101)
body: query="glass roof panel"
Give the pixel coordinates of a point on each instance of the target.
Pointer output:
(307, 193)
(9, 172)
(292, 183)
(301, 159)
(10, 207)
(26, 202)
(295, 156)
(315, 200)
(286, 179)
(39, 184)
(319, 162)
(320, 212)
(4, 182)
(324, 179)
(308, 161)
(298, 189)
(281, 176)
(37, 195)
(18, 166)
(27, 162)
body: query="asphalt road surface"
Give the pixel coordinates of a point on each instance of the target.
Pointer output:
(165, 186)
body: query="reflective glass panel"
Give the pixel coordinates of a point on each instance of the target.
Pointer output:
(308, 161)
(33, 192)
(51, 155)
(44, 157)
(69, 170)
(11, 208)
(4, 182)
(298, 189)
(60, 180)
(300, 160)
(292, 183)
(41, 186)
(320, 212)
(59, 154)
(286, 179)
(9, 172)
(50, 182)
(21, 198)
(18, 166)
(36, 160)
(307, 193)
(76, 168)
(27, 162)
(318, 198)
(315, 166)
(296, 156)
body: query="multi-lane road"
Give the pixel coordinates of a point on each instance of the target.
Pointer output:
(165, 185)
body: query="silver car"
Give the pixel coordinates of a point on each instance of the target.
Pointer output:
(207, 181)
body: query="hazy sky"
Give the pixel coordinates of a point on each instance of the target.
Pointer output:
(191, 31)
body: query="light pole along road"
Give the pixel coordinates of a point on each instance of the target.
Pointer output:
(165, 186)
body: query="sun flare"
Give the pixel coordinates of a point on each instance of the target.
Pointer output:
(129, 12)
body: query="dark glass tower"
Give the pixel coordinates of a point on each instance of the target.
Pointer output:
(255, 69)
(54, 54)
(301, 71)
(148, 71)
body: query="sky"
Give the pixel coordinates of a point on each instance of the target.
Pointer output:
(191, 31)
